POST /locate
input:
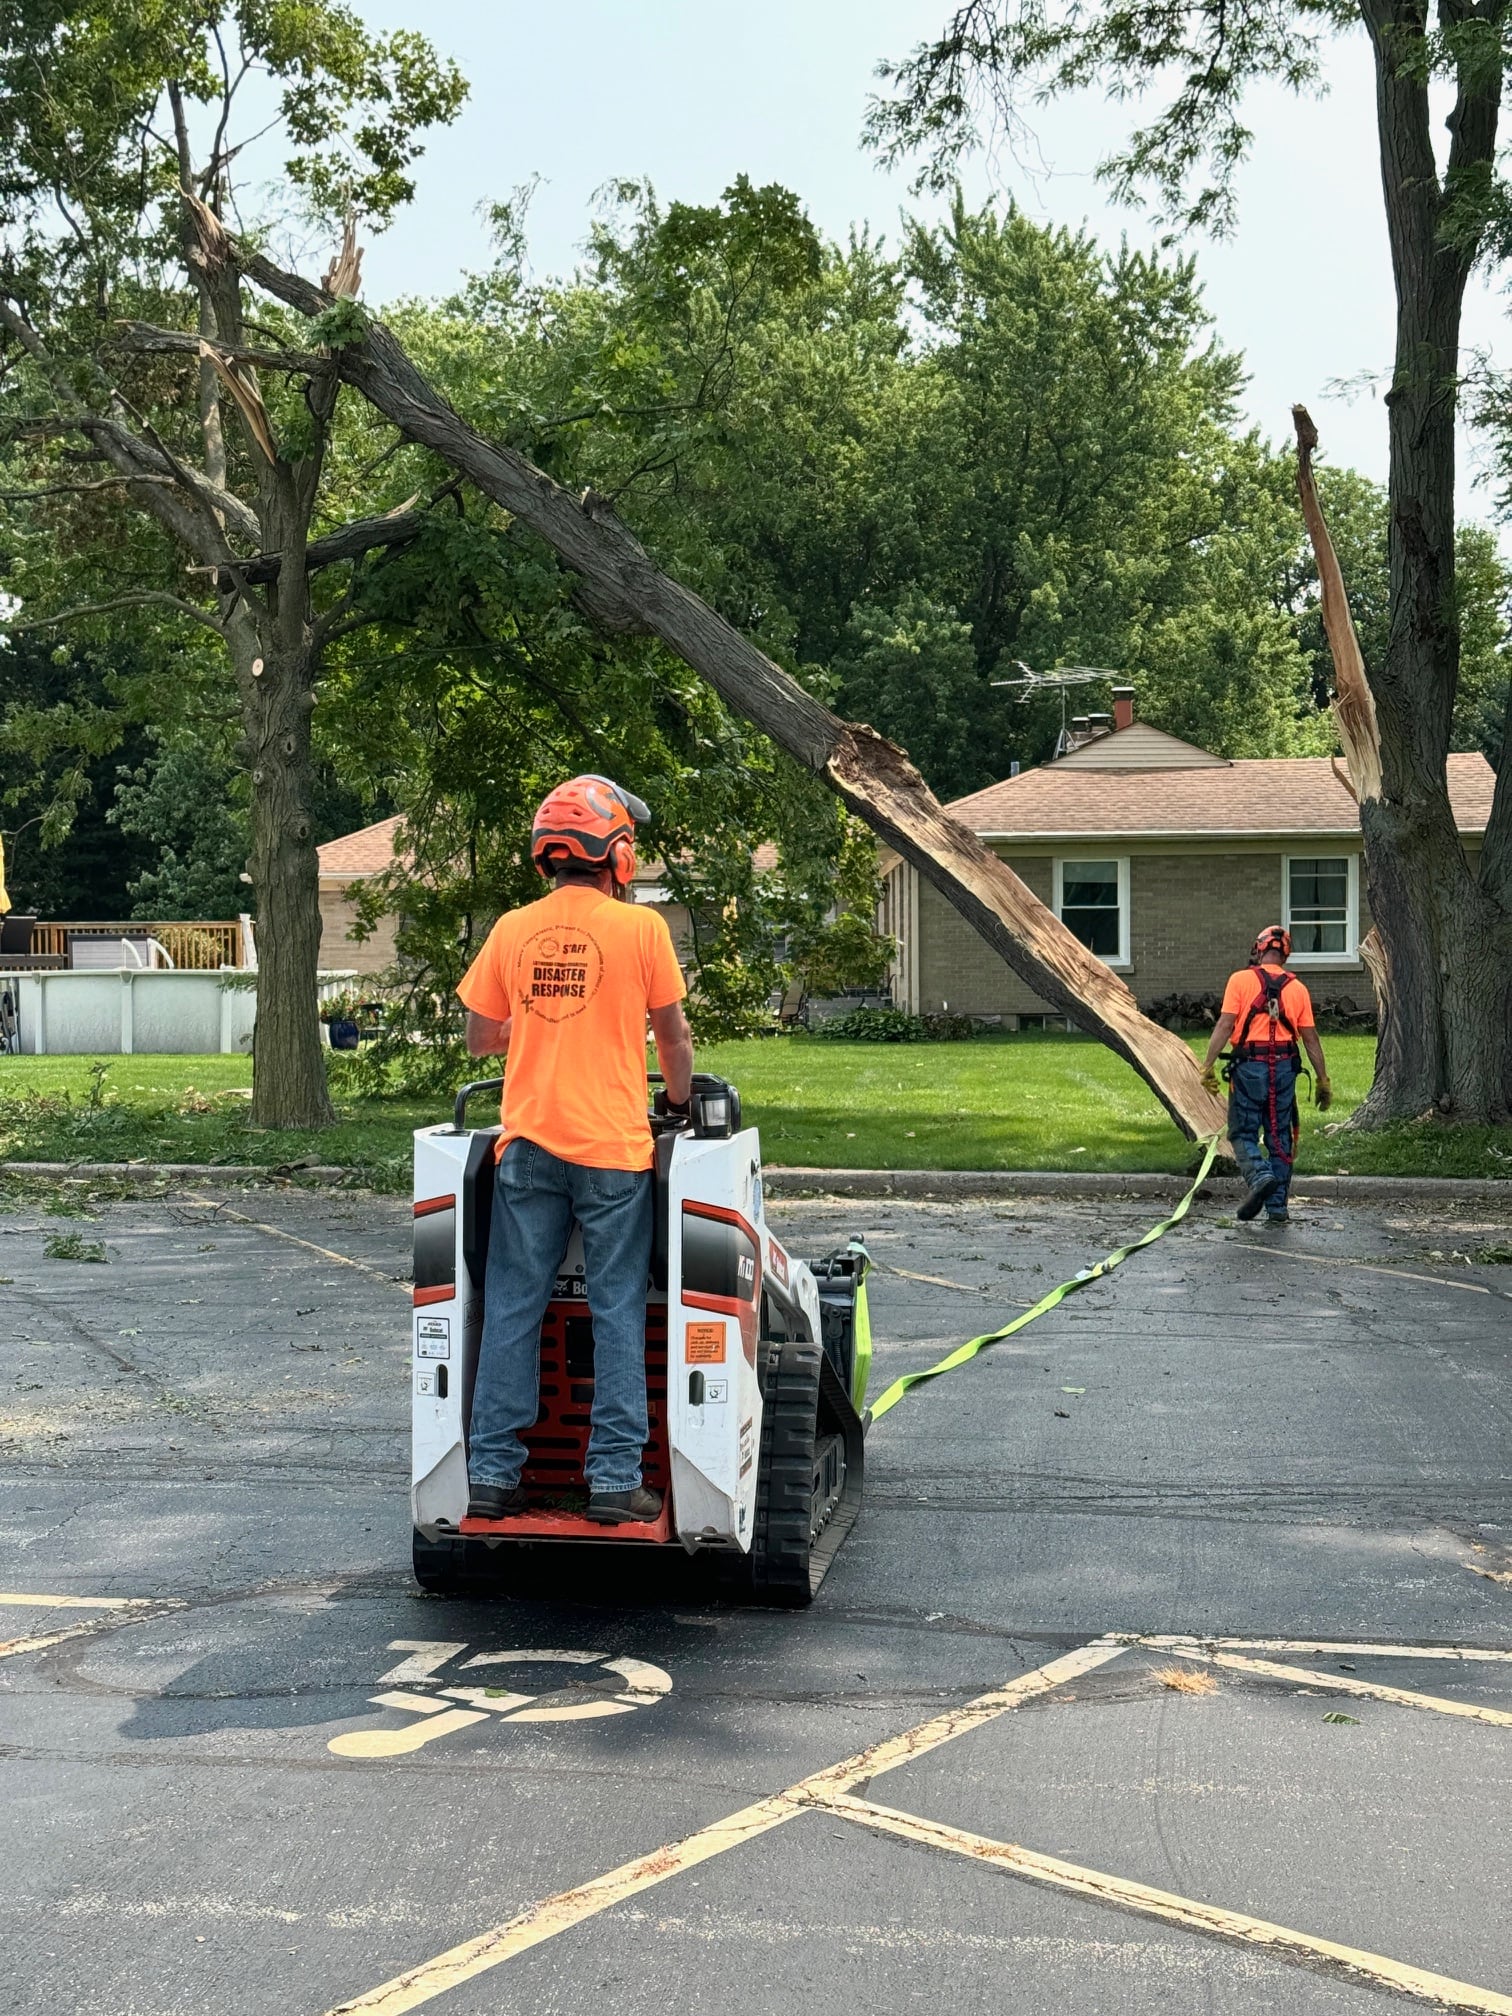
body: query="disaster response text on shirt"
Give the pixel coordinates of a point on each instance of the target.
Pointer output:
(577, 974)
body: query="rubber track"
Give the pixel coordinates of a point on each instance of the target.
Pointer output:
(804, 1397)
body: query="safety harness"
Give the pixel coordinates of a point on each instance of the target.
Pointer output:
(1268, 1002)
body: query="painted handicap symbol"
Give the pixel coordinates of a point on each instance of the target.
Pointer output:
(616, 1687)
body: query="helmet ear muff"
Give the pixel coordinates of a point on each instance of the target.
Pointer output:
(622, 862)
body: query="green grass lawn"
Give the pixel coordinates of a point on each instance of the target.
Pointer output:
(1030, 1101)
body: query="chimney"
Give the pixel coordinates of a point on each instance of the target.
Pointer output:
(1123, 707)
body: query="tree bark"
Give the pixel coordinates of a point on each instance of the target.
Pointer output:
(275, 653)
(1446, 1045)
(622, 588)
(278, 699)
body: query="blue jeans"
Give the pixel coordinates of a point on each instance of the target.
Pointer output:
(536, 1198)
(1250, 1117)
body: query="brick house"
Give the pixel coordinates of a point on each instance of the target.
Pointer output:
(1165, 860)
(344, 861)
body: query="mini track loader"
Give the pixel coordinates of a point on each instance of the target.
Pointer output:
(756, 1367)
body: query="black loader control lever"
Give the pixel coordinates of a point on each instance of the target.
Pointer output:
(459, 1111)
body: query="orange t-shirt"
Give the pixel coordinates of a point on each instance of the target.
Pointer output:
(1246, 987)
(577, 973)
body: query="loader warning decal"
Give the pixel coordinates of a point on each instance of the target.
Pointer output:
(705, 1344)
(558, 971)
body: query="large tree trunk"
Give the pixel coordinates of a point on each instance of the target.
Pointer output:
(276, 678)
(623, 589)
(1446, 933)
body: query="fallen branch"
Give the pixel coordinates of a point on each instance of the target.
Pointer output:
(623, 589)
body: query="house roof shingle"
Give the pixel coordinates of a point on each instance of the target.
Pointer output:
(369, 851)
(1247, 798)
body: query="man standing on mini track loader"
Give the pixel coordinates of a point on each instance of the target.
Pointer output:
(1271, 1010)
(564, 986)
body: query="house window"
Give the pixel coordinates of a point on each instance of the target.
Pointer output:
(1092, 901)
(1321, 902)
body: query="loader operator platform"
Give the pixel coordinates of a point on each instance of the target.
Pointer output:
(564, 987)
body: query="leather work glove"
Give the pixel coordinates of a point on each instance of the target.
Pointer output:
(1323, 1094)
(1210, 1080)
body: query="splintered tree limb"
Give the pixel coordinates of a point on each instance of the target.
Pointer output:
(623, 589)
(1353, 703)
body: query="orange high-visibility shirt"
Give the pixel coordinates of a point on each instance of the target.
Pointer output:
(577, 973)
(1245, 989)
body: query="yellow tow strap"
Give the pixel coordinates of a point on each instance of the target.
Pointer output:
(965, 1352)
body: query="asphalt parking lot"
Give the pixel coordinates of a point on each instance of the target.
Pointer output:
(1129, 1692)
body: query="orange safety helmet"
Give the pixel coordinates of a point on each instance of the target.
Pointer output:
(589, 819)
(1274, 940)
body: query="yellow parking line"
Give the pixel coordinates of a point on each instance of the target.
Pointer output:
(111, 1606)
(1320, 1648)
(34, 1602)
(571, 1907)
(10, 1647)
(1349, 1683)
(1364, 1968)
(895, 1750)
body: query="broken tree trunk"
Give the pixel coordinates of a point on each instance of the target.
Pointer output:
(1353, 704)
(623, 589)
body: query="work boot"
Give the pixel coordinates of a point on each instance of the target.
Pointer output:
(1278, 1218)
(625, 1508)
(496, 1501)
(1254, 1204)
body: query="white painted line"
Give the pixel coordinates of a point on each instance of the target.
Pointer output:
(1370, 1267)
(1235, 1927)
(324, 1252)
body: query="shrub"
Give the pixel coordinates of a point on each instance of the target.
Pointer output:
(872, 1025)
(948, 1028)
(894, 1025)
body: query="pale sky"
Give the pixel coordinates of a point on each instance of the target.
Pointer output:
(694, 92)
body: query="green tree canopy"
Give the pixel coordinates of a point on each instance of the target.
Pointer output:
(142, 441)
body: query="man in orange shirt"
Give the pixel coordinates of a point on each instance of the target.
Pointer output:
(564, 986)
(1271, 1010)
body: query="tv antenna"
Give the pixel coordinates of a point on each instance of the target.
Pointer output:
(1030, 683)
